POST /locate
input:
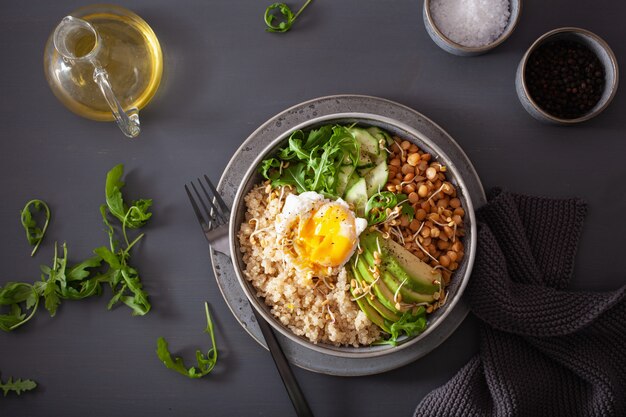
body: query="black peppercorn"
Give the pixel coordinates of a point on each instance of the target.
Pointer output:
(565, 78)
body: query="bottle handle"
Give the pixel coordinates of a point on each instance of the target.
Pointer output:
(128, 122)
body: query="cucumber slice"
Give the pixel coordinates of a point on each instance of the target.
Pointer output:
(376, 179)
(368, 143)
(345, 172)
(357, 196)
(379, 134)
(365, 160)
(351, 181)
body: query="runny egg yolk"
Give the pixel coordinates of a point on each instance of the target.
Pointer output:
(327, 238)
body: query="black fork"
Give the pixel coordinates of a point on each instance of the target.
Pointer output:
(213, 215)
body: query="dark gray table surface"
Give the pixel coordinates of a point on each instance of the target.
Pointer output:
(224, 76)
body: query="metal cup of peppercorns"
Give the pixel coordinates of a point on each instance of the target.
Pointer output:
(567, 76)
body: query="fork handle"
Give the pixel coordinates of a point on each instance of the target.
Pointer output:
(289, 380)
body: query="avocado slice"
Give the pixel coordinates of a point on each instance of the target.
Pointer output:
(371, 313)
(384, 295)
(418, 271)
(378, 306)
(403, 264)
(393, 282)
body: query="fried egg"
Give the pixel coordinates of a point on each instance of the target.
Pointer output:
(323, 233)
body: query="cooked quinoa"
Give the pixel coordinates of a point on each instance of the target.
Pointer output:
(320, 310)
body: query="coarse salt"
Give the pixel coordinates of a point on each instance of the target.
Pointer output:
(472, 23)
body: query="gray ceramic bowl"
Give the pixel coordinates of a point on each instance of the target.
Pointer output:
(591, 41)
(396, 127)
(457, 49)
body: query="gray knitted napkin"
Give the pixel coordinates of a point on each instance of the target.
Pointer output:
(544, 350)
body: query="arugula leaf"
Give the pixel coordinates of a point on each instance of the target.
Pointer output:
(133, 217)
(18, 386)
(287, 14)
(52, 286)
(13, 294)
(34, 234)
(205, 363)
(409, 324)
(408, 210)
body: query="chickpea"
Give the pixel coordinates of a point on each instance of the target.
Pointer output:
(409, 188)
(431, 173)
(442, 244)
(448, 231)
(408, 169)
(444, 260)
(443, 202)
(459, 211)
(413, 159)
(434, 232)
(422, 191)
(425, 231)
(457, 219)
(455, 203)
(457, 246)
(452, 255)
(413, 198)
(453, 266)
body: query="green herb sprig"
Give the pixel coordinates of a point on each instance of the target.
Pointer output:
(62, 282)
(18, 386)
(409, 324)
(34, 233)
(377, 205)
(205, 363)
(288, 16)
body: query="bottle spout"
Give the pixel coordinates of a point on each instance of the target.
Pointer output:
(76, 39)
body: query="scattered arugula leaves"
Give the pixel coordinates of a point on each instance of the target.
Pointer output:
(288, 17)
(311, 161)
(34, 233)
(205, 363)
(18, 386)
(62, 282)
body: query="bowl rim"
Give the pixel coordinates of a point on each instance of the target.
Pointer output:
(508, 31)
(545, 38)
(323, 347)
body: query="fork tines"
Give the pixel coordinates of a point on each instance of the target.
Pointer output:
(214, 214)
